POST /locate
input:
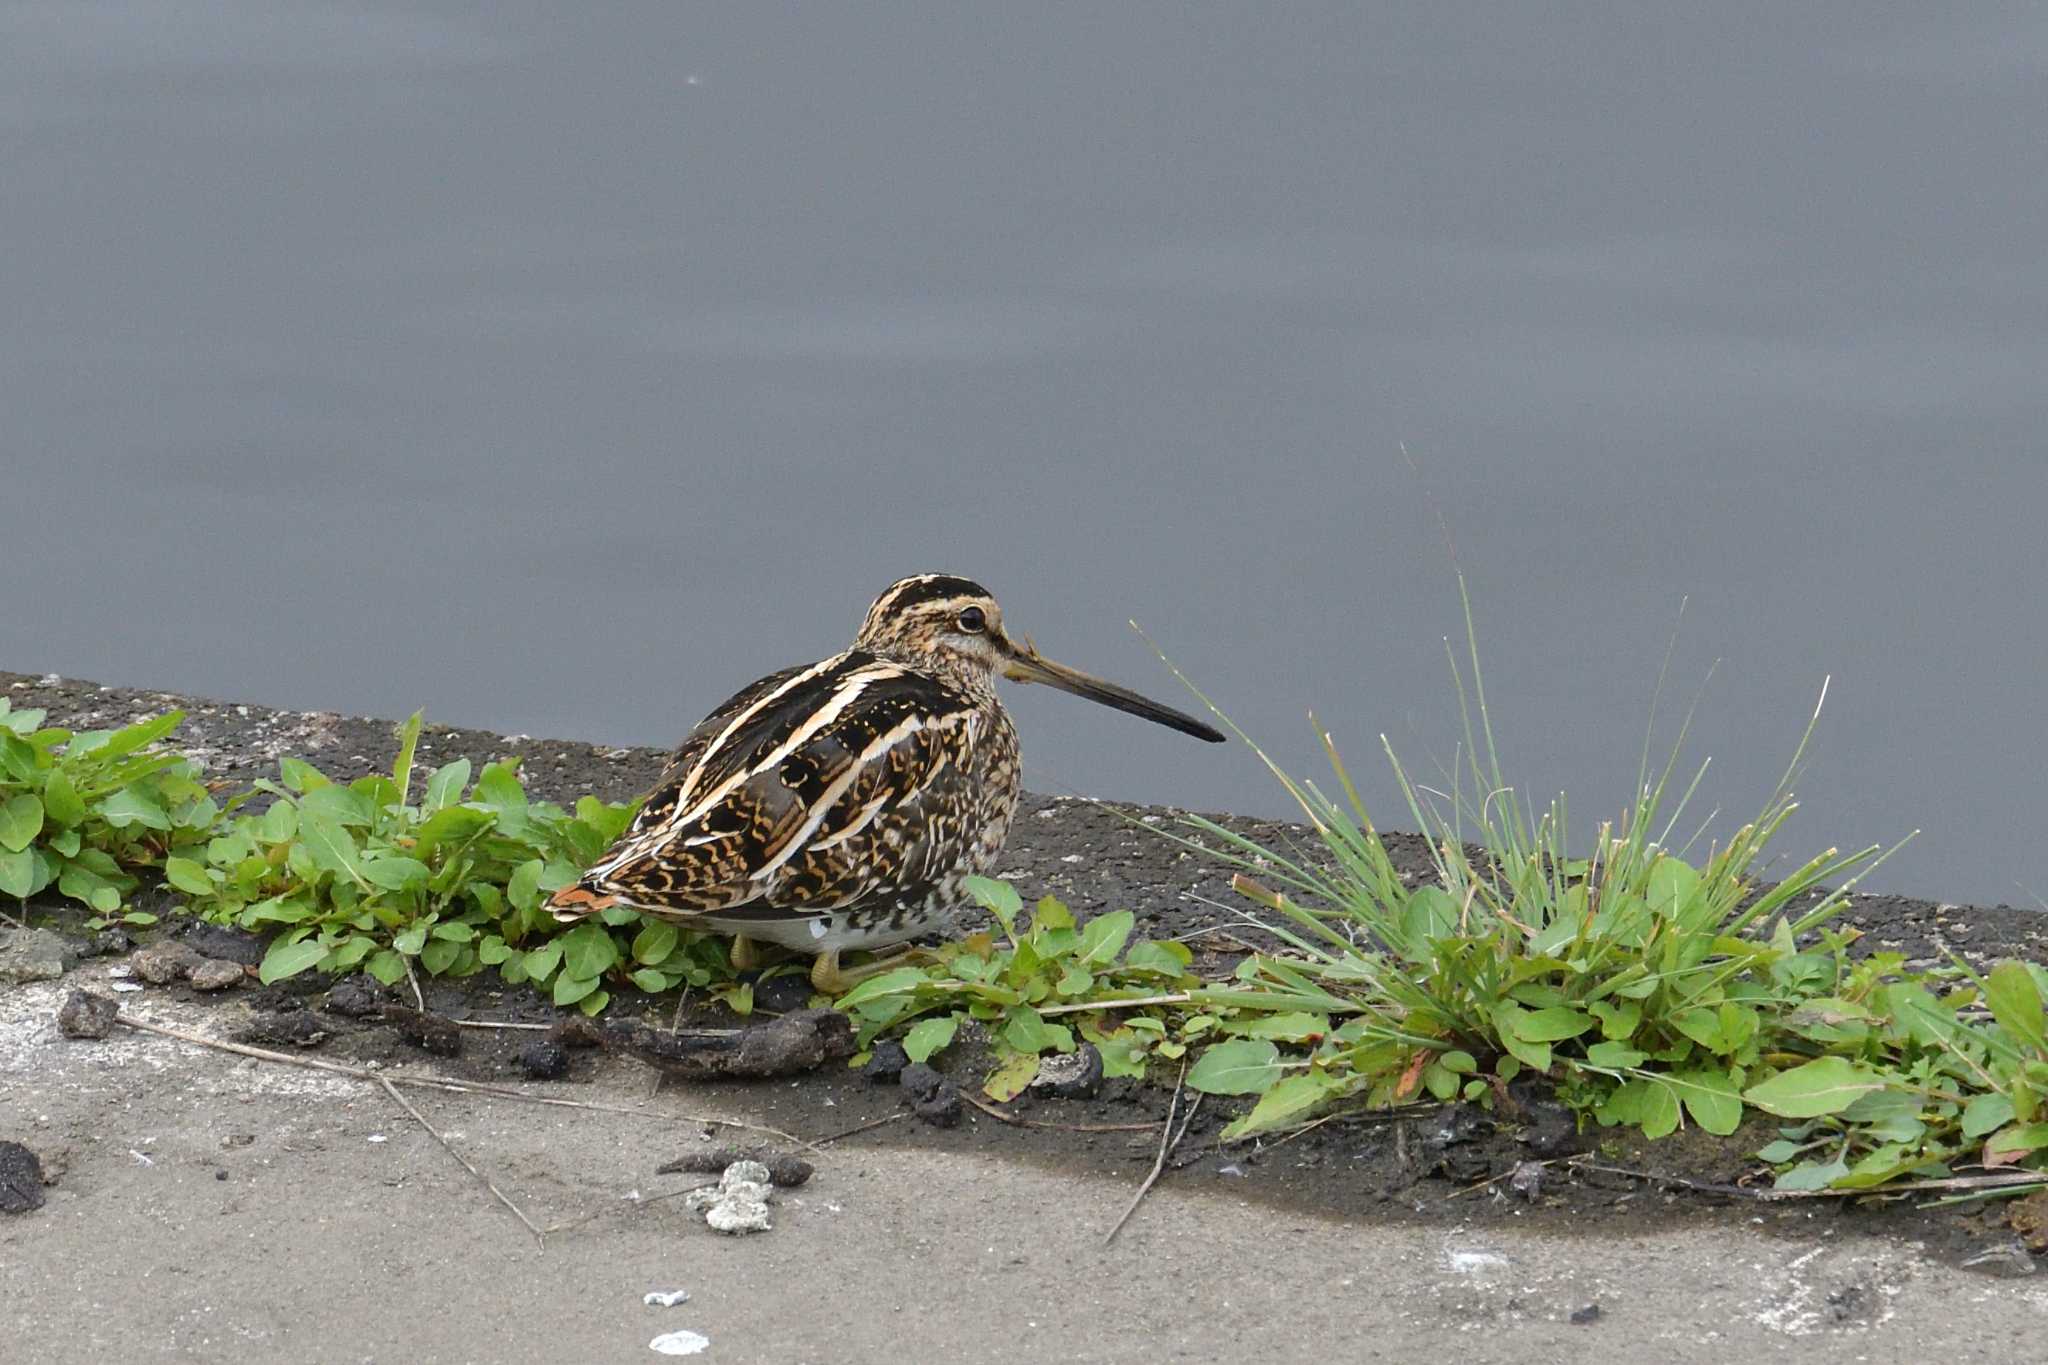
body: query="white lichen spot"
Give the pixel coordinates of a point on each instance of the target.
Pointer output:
(679, 1344)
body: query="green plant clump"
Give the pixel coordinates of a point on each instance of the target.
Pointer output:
(1648, 989)
(360, 877)
(85, 811)
(1018, 987)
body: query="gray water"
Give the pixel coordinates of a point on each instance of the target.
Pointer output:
(560, 368)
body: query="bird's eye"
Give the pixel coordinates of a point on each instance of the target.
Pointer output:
(973, 620)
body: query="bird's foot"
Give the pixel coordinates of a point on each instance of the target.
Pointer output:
(829, 978)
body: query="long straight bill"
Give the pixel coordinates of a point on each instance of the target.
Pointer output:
(1025, 664)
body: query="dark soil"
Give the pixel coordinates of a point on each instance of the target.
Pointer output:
(1452, 1165)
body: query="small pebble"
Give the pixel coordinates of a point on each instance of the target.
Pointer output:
(1589, 1314)
(546, 1060)
(162, 963)
(920, 1079)
(940, 1108)
(1075, 1075)
(21, 1179)
(108, 942)
(357, 997)
(212, 974)
(783, 1170)
(85, 1014)
(887, 1062)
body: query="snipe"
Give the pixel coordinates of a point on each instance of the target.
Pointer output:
(841, 805)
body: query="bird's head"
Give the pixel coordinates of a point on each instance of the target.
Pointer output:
(954, 625)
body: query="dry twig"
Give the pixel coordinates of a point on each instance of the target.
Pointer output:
(539, 1238)
(441, 1083)
(1165, 1149)
(1015, 1120)
(568, 1223)
(861, 1127)
(1992, 1181)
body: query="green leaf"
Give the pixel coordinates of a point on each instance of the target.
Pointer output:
(17, 873)
(131, 806)
(139, 735)
(1290, 1098)
(1645, 1102)
(21, 820)
(569, 989)
(188, 876)
(446, 786)
(331, 847)
(1240, 1067)
(498, 788)
(1294, 1027)
(1703, 1026)
(279, 823)
(998, 898)
(1779, 1152)
(587, 952)
(894, 982)
(1615, 1055)
(1710, 1097)
(82, 883)
(655, 941)
(395, 873)
(352, 806)
(1827, 1085)
(22, 722)
(1027, 1031)
(523, 890)
(1812, 1175)
(592, 1003)
(2016, 1004)
(61, 800)
(1008, 1080)
(1430, 914)
(1659, 1112)
(387, 966)
(449, 826)
(408, 744)
(649, 980)
(1617, 1022)
(437, 955)
(1887, 1116)
(1103, 937)
(930, 1035)
(1536, 1056)
(410, 940)
(1550, 1025)
(289, 959)
(1671, 885)
(542, 961)
(1166, 959)
(1986, 1113)
(1049, 914)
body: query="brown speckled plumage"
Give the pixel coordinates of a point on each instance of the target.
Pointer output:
(841, 805)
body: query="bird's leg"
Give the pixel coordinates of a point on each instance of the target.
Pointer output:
(829, 978)
(745, 954)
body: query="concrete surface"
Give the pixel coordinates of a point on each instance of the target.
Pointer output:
(224, 1210)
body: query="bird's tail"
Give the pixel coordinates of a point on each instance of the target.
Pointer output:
(577, 902)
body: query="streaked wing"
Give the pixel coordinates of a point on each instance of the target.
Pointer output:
(803, 793)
